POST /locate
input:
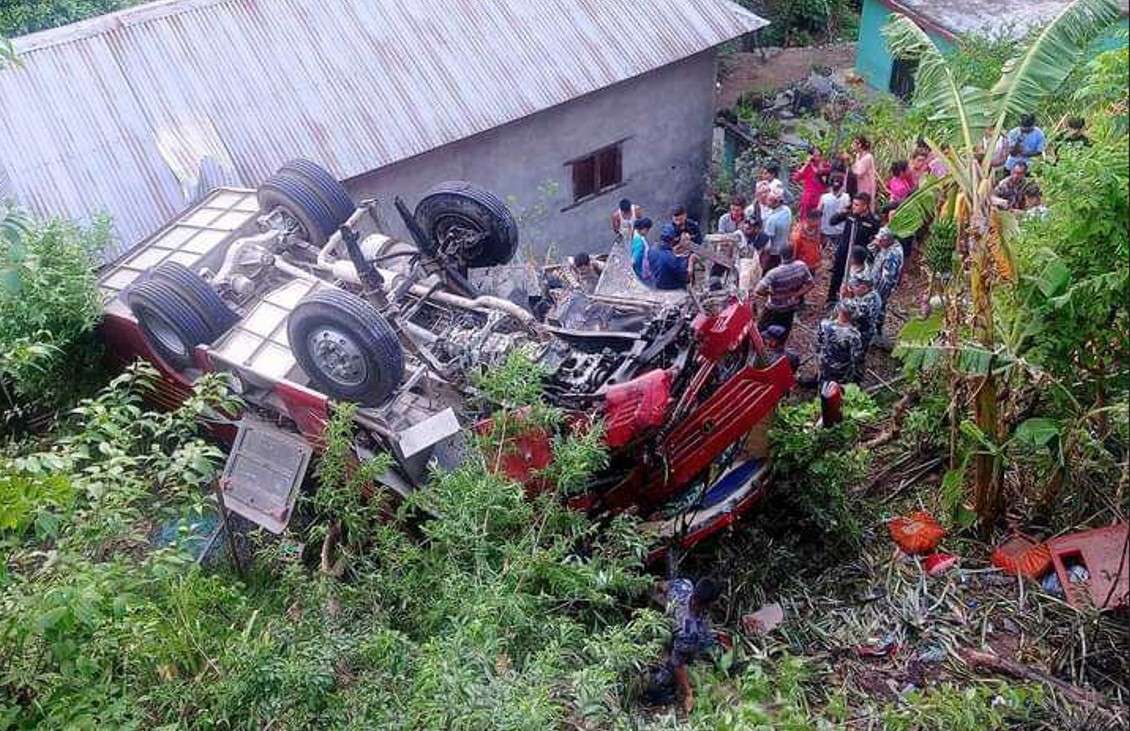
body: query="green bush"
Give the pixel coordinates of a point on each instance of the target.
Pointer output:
(503, 613)
(28, 16)
(49, 305)
(814, 467)
(977, 59)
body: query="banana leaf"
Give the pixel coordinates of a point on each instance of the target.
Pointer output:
(918, 209)
(1029, 78)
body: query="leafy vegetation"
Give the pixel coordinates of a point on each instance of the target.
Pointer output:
(48, 308)
(806, 22)
(28, 16)
(527, 622)
(814, 466)
(977, 60)
(1062, 329)
(509, 612)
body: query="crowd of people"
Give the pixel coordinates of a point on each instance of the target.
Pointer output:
(778, 241)
(779, 253)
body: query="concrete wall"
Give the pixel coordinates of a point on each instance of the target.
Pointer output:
(664, 117)
(872, 60)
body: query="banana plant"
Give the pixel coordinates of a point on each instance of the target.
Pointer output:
(14, 224)
(968, 115)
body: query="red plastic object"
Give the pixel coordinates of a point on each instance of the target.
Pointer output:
(636, 406)
(1023, 555)
(723, 332)
(917, 533)
(831, 404)
(1103, 552)
(884, 649)
(939, 563)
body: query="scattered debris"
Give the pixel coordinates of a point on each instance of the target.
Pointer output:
(764, 620)
(884, 648)
(1024, 555)
(985, 661)
(939, 563)
(932, 653)
(725, 640)
(916, 534)
(1093, 562)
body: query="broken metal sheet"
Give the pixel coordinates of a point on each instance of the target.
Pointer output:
(619, 282)
(263, 474)
(423, 435)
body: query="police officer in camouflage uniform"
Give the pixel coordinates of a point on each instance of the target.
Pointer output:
(840, 347)
(866, 308)
(886, 270)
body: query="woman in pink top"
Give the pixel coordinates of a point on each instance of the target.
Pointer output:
(812, 176)
(867, 179)
(901, 184)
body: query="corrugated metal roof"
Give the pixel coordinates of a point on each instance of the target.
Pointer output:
(982, 17)
(118, 112)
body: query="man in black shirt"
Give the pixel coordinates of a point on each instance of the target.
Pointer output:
(860, 226)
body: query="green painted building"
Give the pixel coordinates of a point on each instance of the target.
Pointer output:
(944, 21)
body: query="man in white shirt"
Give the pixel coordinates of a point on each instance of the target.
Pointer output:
(731, 221)
(777, 226)
(831, 203)
(771, 174)
(624, 219)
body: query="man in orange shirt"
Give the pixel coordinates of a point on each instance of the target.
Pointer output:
(806, 240)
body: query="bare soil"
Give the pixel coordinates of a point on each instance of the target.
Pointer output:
(766, 70)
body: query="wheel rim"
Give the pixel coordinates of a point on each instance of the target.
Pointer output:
(460, 231)
(337, 356)
(165, 334)
(294, 223)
